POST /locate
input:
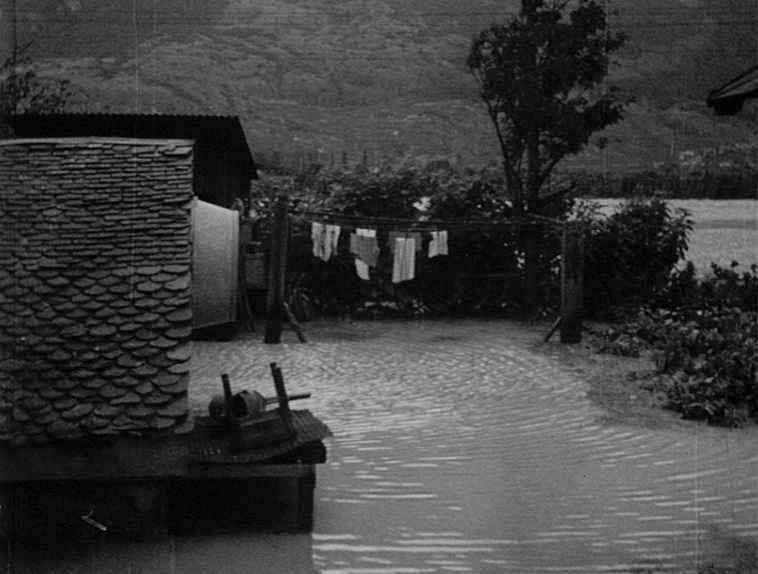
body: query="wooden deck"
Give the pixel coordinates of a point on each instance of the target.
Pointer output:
(201, 453)
(182, 483)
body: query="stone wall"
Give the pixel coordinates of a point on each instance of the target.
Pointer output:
(95, 309)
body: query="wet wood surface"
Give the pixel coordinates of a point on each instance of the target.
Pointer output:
(173, 456)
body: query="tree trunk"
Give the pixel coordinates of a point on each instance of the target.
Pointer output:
(530, 232)
(530, 269)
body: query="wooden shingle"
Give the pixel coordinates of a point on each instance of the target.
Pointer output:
(94, 287)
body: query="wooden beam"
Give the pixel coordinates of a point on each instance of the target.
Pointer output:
(277, 272)
(292, 320)
(572, 263)
(249, 471)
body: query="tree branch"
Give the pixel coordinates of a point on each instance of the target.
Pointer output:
(545, 173)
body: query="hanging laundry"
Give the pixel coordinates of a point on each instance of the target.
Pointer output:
(361, 269)
(331, 240)
(317, 237)
(438, 244)
(415, 235)
(404, 262)
(363, 244)
(325, 238)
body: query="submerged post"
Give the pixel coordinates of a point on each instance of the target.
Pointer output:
(277, 270)
(572, 255)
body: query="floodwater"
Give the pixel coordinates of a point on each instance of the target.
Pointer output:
(459, 447)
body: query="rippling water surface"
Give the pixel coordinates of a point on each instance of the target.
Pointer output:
(460, 448)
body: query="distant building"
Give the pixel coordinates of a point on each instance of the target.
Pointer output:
(223, 163)
(729, 98)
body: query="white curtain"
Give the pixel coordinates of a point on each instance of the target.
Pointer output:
(215, 253)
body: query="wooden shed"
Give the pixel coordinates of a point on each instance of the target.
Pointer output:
(97, 301)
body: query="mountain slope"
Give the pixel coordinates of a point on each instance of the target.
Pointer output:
(386, 77)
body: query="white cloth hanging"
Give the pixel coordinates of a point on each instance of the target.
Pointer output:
(362, 267)
(404, 261)
(438, 244)
(317, 237)
(331, 240)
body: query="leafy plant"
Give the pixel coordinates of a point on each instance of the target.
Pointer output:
(705, 347)
(22, 90)
(631, 254)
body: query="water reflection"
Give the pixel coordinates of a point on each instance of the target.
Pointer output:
(222, 553)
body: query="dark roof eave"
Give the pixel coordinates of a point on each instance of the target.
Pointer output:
(730, 91)
(230, 124)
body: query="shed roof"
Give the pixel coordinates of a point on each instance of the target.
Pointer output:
(728, 99)
(221, 136)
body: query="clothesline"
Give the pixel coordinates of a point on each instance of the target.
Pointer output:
(404, 237)
(364, 245)
(422, 225)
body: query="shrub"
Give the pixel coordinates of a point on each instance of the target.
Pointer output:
(722, 287)
(705, 344)
(631, 254)
(711, 357)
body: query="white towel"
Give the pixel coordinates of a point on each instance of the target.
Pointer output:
(438, 244)
(361, 268)
(331, 240)
(317, 236)
(404, 261)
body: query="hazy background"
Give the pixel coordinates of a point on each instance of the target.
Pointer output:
(386, 76)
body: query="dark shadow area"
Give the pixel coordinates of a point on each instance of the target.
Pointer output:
(225, 332)
(169, 526)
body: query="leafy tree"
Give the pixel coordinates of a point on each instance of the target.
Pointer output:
(540, 77)
(23, 91)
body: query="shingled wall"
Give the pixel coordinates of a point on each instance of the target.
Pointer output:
(95, 310)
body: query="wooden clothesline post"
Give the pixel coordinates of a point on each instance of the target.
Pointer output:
(572, 263)
(277, 270)
(276, 305)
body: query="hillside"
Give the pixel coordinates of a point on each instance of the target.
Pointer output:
(327, 77)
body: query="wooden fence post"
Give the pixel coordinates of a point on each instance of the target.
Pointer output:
(572, 263)
(277, 271)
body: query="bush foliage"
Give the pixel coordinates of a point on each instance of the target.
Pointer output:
(705, 339)
(630, 255)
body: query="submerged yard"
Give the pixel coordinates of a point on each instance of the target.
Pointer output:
(467, 446)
